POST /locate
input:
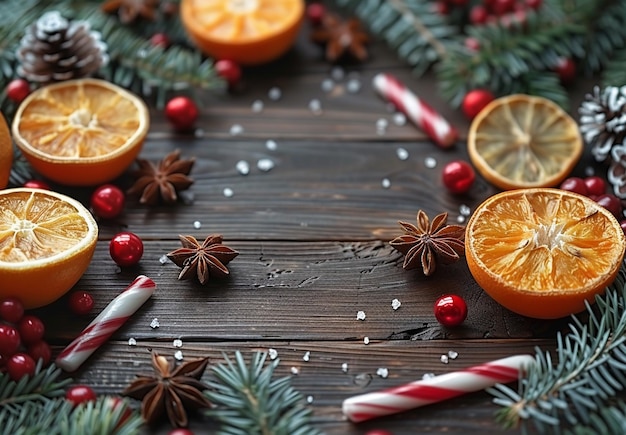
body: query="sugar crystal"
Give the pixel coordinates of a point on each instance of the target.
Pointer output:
(453, 354)
(197, 225)
(395, 304)
(307, 356)
(402, 154)
(132, 342)
(445, 359)
(274, 93)
(344, 367)
(177, 343)
(273, 353)
(265, 165)
(243, 167)
(271, 145)
(163, 259)
(382, 372)
(257, 106)
(295, 370)
(360, 315)
(236, 129)
(430, 162)
(366, 340)
(178, 355)
(228, 192)
(155, 323)
(386, 183)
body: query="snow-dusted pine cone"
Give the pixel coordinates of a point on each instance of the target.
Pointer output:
(603, 120)
(55, 49)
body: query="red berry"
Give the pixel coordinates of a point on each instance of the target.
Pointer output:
(315, 13)
(459, 3)
(475, 101)
(107, 201)
(20, 365)
(126, 249)
(450, 310)
(80, 394)
(566, 69)
(472, 44)
(612, 203)
(11, 310)
(9, 340)
(442, 7)
(229, 71)
(160, 40)
(622, 224)
(180, 431)
(17, 90)
(31, 329)
(576, 185)
(37, 184)
(114, 402)
(40, 351)
(501, 7)
(595, 185)
(533, 4)
(81, 303)
(458, 176)
(181, 112)
(478, 15)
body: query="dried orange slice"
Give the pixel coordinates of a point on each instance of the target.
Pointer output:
(6, 153)
(521, 141)
(47, 241)
(248, 32)
(81, 132)
(543, 252)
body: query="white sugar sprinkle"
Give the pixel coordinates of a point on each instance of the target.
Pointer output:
(197, 225)
(295, 370)
(198, 132)
(155, 323)
(178, 355)
(163, 259)
(265, 165)
(589, 171)
(274, 94)
(399, 119)
(366, 340)
(315, 106)
(132, 342)
(353, 86)
(430, 162)
(309, 399)
(243, 167)
(344, 367)
(327, 85)
(337, 73)
(428, 376)
(236, 129)
(395, 304)
(271, 145)
(177, 343)
(402, 154)
(453, 354)
(257, 106)
(445, 359)
(307, 356)
(386, 183)
(460, 219)
(382, 372)
(381, 124)
(228, 192)
(465, 210)
(273, 353)
(360, 315)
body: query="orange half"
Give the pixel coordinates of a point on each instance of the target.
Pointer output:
(543, 252)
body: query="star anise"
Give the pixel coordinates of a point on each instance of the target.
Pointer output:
(203, 260)
(171, 391)
(428, 243)
(163, 180)
(341, 38)
(130, 10)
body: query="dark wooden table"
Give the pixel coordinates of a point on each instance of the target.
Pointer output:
(313, 235)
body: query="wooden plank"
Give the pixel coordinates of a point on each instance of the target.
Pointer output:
(323, 380)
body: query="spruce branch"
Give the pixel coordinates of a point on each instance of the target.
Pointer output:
(249, 401)
(577, 391)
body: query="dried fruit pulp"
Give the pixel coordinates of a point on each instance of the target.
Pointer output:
(43, 234)
(81, 132)
(6, 152)
(543, 252)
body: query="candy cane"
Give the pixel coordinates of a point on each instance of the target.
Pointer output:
(420, 113)
(435, 389)
(108, 321)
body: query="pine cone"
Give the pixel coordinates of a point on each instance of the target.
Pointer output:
(603, 120)
(54, 49)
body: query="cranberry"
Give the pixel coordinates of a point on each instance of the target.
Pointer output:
(576, 185)
(533, 4)
(475, 101)
(612, 203)
(9, 340)
(114, 402)
(458, 176)
(566, 70)
(478, 14)
(20, 365)
(450, 310)
(182, 113)
(107, 201)
(472, 44)
(315, 13)
(31, 329)
(80, 394)
(622, 224)
(229, 71)
(595, 185)
(11, 310)
(160, 40)
(17, 90)
(501, 7)
(40, 351)
(37, 184)
(126, 249)
(81, 303)
(180, 431)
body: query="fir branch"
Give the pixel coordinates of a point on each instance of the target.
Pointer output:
(613, 73)
(576, 392)
(250, 401)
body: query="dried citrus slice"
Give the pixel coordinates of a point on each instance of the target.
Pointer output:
(6, 152)
(81, 132)
(543, 252)
(248, 32)
(47, 241)
(521, 141)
